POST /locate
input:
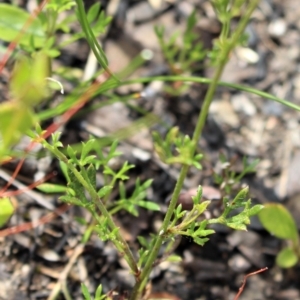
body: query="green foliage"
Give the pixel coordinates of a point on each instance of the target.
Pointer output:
(274, 213)
(28, 82)
(6, 210)
(12, 20)
(81, 165)
(185, 56)
(242, 218)
(103, 21)
(183, 147)
(137, 199)
(277, 220)
(98, 293)
(228, 179)
(49, 188)
(28, 88)
(60, 5)
(287, 258)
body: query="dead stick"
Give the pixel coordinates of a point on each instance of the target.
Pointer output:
(64, 274)
(245, 279)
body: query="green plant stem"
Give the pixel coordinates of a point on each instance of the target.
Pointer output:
(120, 243)
(139, 287)
(91, 39)
(220, 83)
(160, 238)
(135, 63)
(67, 104)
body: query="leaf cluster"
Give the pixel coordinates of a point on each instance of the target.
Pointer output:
(176, 148)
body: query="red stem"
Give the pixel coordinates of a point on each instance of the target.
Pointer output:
(245, 279)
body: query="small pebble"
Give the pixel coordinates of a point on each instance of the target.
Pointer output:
(49, 255)
(239, 264)
(247, 55)
(277, 28)
(241, 103)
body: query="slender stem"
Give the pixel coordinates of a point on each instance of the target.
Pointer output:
(209, 81)
(93, 43)
(159, 239)
(63, 107)
(197, 133)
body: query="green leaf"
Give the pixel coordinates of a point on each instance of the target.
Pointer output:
(60, 5)
(81, 220)
(278, 221)
(142, 240)
(50, 188)
(56, 140)
(200, 241)
(197, 198)
(91, 39)
(98, 294)
(72, 154)
(254, 210)
(85, 292)
(203, 232)
(202, 206)
(6, 210)
(174, 258)
(87, 234)
(286, 258)
(93, 12)
(12, 20)
(87, 148)
(28, 84)
(104, 191)
(91, 172)
(240, 197)
(71, 200)
(122, 190)
(75, 185)
(146, 184)
(237, 226)
(64, 169)
(16, 119)
(148, 205)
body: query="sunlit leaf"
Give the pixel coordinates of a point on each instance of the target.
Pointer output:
(104, 191)
(28, 83)
(85, 292)
(12, 20)
(52, 188)
(16, 119)
(278, 221)
(6, 210)
(286, 258)
(174, 258)
(148, 205)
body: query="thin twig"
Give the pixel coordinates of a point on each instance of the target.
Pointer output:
(245, 279)
(64, 274)
(38, 197)
(30, 225)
